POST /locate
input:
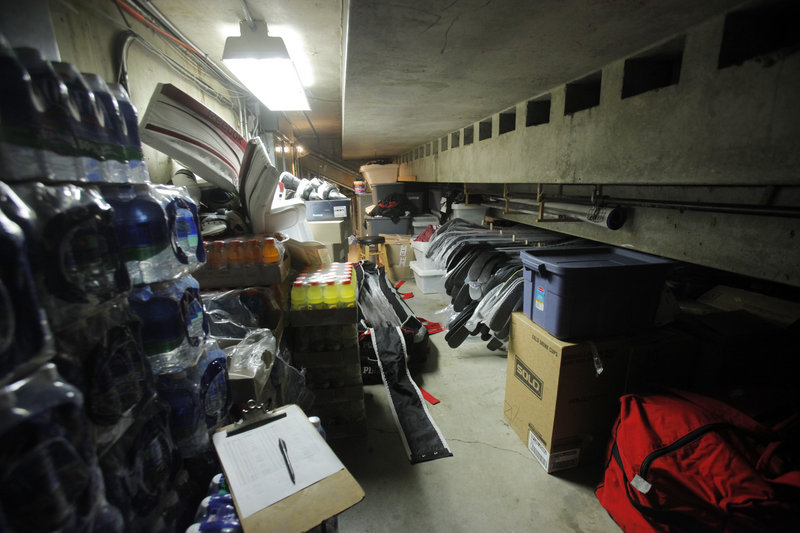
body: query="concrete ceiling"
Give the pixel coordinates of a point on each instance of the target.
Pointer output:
(409, 71)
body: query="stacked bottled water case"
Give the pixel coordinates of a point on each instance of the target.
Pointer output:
(63, 125)
(107, 380)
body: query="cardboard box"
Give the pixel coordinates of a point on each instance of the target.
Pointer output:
(333, 234)
(400, 253)
(556, 400)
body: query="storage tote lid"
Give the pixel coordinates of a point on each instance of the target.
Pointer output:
(578, 260)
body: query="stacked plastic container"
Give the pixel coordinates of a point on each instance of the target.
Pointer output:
(92, 252)
(324, 342)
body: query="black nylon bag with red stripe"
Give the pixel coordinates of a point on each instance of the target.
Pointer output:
(682, 462)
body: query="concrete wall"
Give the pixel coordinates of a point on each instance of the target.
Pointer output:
(87, 34)
(738, 125)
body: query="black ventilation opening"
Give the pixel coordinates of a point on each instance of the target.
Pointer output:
(455, 138)
(428, 149)
(436, 147)
(538, 112)
(582, 94)
(760, 31)
(656, 68)
(469, 135)
(485, 129)
(508, 120)
(443, 142)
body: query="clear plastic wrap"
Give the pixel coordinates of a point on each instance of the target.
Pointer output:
(49, 460)
(25, 338)
(253, 307)
(252, 359)
(444, 315)
(173, 320)
(72, 246)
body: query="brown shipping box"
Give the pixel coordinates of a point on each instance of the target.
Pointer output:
(399, 254)
(557, 400)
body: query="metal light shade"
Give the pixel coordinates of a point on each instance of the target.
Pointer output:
(263, 65)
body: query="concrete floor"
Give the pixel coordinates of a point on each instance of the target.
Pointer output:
(491, 484)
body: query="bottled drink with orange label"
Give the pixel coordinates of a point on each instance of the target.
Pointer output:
(235, 254)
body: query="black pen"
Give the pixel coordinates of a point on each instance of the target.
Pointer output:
(285, 453)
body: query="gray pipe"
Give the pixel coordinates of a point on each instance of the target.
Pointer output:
(612, 218)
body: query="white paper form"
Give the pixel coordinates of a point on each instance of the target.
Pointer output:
(256, 470)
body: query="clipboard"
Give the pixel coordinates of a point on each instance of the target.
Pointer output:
(306, 505)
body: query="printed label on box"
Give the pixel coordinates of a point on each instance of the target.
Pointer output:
(539, 301)
(403, 255)
(552, 462)
(528, 378)
(340, 211)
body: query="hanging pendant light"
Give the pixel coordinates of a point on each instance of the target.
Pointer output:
(263, 65)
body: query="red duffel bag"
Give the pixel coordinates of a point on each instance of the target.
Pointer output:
(683, 462)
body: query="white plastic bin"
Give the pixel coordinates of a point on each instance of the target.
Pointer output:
(421, 222)
(420, 249)
(470, 213)
(428, 281)
(377, 174)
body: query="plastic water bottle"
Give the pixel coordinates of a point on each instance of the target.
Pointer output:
(89, 128)
(57, 118)
(217, 484)
(48, 455)
(187, 236)
(24, 331)
(115, 130)
(141, 228)
(172, 318)
(137, 169)
(146, 447)
(220, 517)
(215, 392)
(21, 153)
(186, 252)
(116, 378)
(187, 423)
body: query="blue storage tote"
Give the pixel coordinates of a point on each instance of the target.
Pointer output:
(586, 292)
